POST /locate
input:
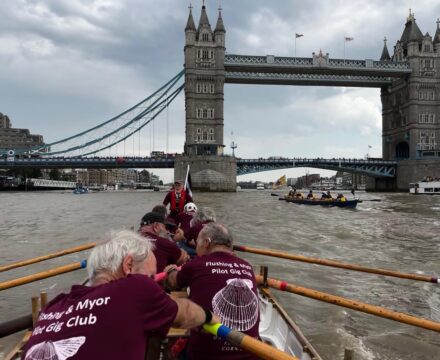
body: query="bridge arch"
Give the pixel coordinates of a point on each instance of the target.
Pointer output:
(402, 150)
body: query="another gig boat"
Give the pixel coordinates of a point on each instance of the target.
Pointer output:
(429, 186)
(343, 204)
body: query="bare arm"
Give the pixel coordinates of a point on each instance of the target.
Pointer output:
(184, 257)
(190, 315)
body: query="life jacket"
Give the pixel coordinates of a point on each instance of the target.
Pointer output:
(181, 201)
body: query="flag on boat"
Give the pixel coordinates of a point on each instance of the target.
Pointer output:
(282, 181)
(347, 38)
(298, 35)
(188, 185)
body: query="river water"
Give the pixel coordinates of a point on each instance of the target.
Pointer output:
(400, 232)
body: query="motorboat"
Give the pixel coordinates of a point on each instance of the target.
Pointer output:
(428, 186)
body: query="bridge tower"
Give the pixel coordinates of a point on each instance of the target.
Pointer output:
(411, 107)
(204, 52)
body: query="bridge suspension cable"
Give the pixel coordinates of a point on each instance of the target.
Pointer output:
(118, 128)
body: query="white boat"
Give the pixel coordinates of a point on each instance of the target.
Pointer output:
(429, 186)
(260, 186)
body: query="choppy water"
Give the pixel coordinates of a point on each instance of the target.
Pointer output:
(401, 232)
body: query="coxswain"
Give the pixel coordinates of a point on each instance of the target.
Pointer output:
(118, 314)
(177, 198)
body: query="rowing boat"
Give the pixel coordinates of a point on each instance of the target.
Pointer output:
(276, 328)
(330, 203)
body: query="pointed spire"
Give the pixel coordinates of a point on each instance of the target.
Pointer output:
(203, 18)
(411, 31)
(385, 54)
(190, 25)
(437, 33)
(220, 27)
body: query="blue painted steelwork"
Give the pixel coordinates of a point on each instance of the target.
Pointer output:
(371, 167)
(88, 162)
(115, 130)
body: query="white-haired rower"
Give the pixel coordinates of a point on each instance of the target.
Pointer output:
(187, 238)
(115, 316)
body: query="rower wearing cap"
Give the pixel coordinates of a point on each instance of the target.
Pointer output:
(166, 251)
(177, 198)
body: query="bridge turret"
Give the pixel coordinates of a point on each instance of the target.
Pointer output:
(385, 54)
(190, 29)
(220, 31)
(436, 40)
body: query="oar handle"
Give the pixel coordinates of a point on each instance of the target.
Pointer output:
(351, 304)
(246, 342)
(162, 275)
(43, 275)
(337, 264)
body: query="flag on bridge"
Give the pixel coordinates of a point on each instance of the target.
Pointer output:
(188, 185)
(298, 35)
(347, 38)
(369, 146)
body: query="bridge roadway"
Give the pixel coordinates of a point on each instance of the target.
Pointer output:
(371, 167)
(318, 70)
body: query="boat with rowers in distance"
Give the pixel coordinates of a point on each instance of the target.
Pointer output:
(327, 202)
(428, 186)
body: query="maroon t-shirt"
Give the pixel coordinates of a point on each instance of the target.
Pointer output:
(193, 233)
(166, 251)
(226, 285)
(184, 219)
(109, 321)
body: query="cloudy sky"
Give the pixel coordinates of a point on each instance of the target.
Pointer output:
(67, 65)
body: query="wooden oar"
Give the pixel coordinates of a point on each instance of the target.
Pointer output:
(246, 342)
(337, 264)
(43, 275)
(351, 304)
(48, 256)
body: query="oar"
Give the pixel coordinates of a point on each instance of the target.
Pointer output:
(246, 342)
(337, 264)
(274, 194)
(351, 304)
(43, 275)
(48, 256)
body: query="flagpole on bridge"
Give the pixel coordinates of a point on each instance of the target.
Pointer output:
(296, 37)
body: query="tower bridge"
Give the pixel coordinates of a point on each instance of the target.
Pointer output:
(409, 81)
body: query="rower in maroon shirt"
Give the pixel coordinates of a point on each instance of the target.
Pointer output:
(187, 239)
(166, 251)
(118, 314)
(219, 281)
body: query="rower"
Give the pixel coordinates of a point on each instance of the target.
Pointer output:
(119, 313)
(219, 280)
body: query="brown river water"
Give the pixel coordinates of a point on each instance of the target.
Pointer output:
(400, 232)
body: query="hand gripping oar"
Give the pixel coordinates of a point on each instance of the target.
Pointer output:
(337, 264)
(48, 256)
(351, 304)
(43, 275)
(246, 342)
(162, 275)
